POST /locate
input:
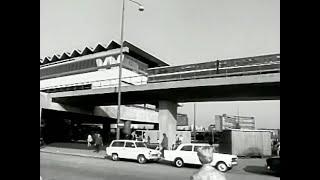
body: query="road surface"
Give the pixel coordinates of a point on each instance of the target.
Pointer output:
(65, 167)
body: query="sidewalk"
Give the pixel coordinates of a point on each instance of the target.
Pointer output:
(64, 149)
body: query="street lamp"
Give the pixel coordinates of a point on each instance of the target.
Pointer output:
(141, 8)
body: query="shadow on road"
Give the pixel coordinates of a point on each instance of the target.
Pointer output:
(260, 170)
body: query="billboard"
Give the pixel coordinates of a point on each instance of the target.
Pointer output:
(182, 120)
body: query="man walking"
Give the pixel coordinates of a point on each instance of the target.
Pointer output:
(98, 143)
(164, 144)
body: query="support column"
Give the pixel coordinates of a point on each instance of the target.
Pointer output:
(106, 133)
(168, 121)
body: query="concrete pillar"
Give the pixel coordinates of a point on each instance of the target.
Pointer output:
(106, 131)
(168, 121)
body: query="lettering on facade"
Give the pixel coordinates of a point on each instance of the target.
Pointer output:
(107, 61)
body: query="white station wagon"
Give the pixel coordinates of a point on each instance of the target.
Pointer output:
(187, 154)
(129, 149)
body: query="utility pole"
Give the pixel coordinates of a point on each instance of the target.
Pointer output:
(238, 123)
(194, 121)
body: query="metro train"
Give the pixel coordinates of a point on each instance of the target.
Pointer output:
(233, 67)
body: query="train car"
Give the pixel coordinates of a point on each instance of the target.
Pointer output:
(220, 68)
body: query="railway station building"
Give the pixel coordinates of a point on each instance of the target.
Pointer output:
(93, 68)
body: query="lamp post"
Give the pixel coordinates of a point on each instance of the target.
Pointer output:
(194, 123)
(141, 8)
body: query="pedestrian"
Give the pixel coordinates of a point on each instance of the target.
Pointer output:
(177, 140)
(133, 135)
(98, 143)
(144, 138)
(207, 172)
(149, 139)
(180, 139)
(164, 144)
(89, 140)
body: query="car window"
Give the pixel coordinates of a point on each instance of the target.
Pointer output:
(129, 145)
(140, 144)
(118, 144)
(197, 147)
(186, 148)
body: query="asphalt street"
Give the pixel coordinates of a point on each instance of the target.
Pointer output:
(66, 167)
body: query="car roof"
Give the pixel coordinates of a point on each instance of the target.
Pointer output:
(126, 140)
(196, 144)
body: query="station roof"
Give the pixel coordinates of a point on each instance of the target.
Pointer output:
(134, 51)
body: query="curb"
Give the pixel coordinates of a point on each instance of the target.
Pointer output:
(72, 154)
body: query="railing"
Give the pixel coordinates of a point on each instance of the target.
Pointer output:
(273, 67)
(132, 80)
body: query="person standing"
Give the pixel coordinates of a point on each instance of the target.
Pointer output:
(177, 141)
(149, 139)
(207, 172)
(180, 139)
(144, 138)
(89, 140)
(98, 143)
(164, 144)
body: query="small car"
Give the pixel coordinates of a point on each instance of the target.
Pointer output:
(187, 154)
(130, 149)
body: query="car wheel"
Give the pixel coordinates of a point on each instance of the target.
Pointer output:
(221, 166)
(142, 159)
(178, 162)
(115, 157)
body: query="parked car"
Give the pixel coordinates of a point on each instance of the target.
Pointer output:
(187, 154)
(273, 164)
(130, 149)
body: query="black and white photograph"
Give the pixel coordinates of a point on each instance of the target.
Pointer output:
(159, 90)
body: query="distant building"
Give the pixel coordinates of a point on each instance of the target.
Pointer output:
(234, 122)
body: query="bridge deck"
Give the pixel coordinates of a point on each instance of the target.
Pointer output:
(250, 87)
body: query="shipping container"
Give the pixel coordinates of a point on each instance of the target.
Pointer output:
(247, 143)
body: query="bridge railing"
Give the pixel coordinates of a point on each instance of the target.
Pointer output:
(113, 82)
(272, 67)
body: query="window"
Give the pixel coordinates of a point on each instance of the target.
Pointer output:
(129, 145)
(118, 144)
(140, 144)
(197, 147)
(186, 148)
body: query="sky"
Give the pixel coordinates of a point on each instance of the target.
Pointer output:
(175, 31)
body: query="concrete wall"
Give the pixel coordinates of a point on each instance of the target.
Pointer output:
(127, 113)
